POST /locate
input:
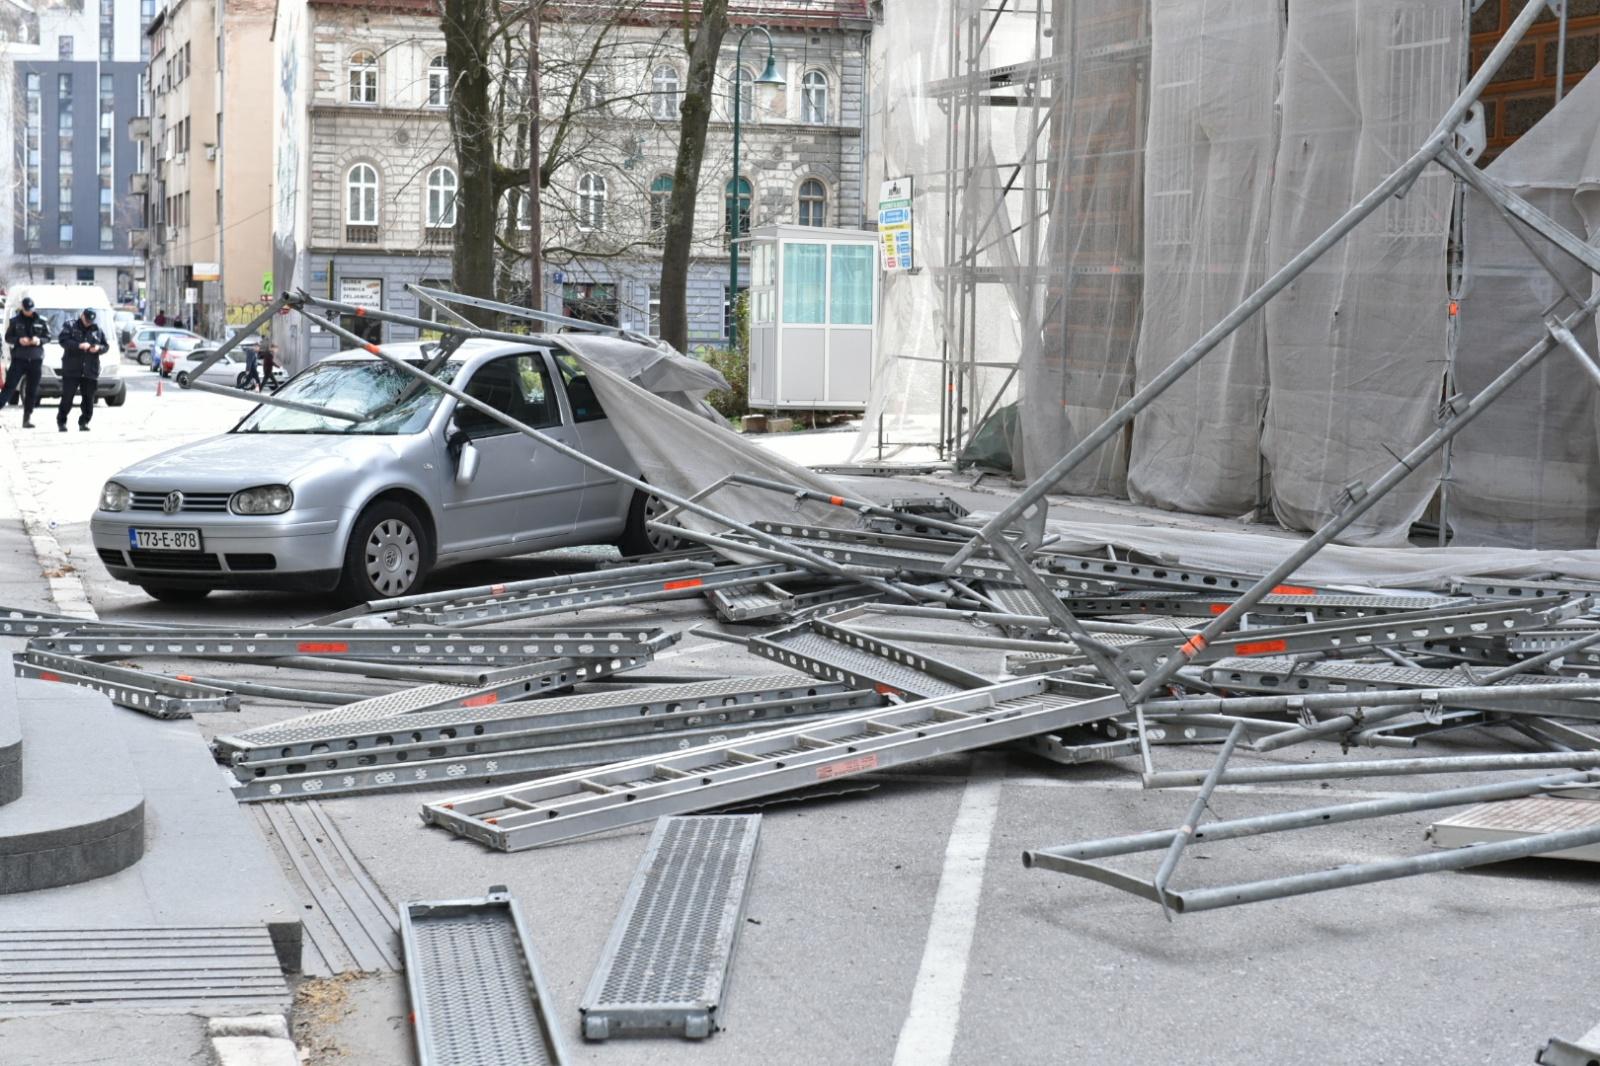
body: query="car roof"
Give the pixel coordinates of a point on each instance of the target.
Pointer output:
(469, 354)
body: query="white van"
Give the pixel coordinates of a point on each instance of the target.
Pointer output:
(60, 304)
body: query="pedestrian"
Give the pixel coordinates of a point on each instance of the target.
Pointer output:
(27, 333)
(251, 377)
(82, 344)
(161, 317)
(268, 358)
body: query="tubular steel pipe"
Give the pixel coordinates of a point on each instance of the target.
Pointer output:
(271, 400)
(1306, 819)
(1340, 724)
(1382, 768)
(1397, 181)
(1557, 333)
(1002, 618)
(1208, 899)
(1467, 695)
(1540, 659)
(1191, 821)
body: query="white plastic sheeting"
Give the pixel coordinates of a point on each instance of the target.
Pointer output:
(1527, 472)
(1208, 173)
(686, 453)
(1356, 346)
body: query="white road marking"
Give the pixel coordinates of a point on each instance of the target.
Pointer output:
(928, 1035)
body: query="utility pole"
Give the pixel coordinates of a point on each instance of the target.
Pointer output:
(535, 170)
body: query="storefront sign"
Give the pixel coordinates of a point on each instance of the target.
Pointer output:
(362, 292)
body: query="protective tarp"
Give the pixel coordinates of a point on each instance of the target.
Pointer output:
(1208, 175)
(685, 452)
(1526, 473)
(675, 378)
(1337, 564)
(1356, 346)
(1081, 368)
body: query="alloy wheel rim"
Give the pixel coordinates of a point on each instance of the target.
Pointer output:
(393, 557)
(659, 541)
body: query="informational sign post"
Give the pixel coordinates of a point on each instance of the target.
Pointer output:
(895, 235)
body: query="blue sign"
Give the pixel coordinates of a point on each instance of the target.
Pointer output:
(558, 277)
(892, 216)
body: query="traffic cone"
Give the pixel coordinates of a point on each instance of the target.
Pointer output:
(158, 386)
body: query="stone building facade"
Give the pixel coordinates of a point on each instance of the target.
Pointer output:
(363, 127)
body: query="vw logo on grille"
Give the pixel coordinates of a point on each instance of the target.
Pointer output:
(173, 503)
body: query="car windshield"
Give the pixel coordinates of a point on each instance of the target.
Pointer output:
(366, 388)
(57, 317)
(181, 344)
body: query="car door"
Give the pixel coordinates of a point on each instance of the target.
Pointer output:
(605, 499)
(521, 490)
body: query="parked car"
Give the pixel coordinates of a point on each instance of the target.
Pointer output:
(60, 304)
(223, 372)
(368, 508)
(171, 348)
(146, 338)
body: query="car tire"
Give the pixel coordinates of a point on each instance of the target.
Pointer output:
(182, 379)
(637, 538)
(387, 555)
(117, 399)
(175, 593)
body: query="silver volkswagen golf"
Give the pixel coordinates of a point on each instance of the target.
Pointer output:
(291, 500)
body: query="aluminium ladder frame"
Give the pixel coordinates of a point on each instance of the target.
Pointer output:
(719, 775)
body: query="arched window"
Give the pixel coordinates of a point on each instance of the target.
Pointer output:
(363, 78)
(441, 198)
(747, 95)
(592, 202)
(438, 82)
(517, 201)
(660, 202)
(813, 203)
(742, 209)
(361, 195)
(664, 92)
(814, 98)
(592, 93)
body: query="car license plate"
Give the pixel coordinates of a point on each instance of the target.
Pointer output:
(165, 540)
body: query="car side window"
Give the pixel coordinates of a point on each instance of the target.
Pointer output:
(580, 393)
(516, 385)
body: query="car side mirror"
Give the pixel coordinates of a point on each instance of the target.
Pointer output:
(466, 463)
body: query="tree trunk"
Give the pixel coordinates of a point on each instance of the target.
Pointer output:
(467, 27)
(535, 170)
(678, 241)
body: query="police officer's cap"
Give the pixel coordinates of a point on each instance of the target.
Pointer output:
(27, 303)
(88, 314)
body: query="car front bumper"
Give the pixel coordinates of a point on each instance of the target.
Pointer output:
(292, 552)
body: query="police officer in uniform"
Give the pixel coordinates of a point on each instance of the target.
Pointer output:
(82, 343)
(27, 333)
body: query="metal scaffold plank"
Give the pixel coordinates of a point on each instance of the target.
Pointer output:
(477, 995)
(321, 732)
(829, 651)
(665, 966)
(717, 775)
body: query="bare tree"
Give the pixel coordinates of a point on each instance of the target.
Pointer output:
(678, 241)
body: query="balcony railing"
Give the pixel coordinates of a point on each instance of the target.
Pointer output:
(438, 236)
(361, 234)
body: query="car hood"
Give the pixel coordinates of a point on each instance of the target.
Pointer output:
(235, 461)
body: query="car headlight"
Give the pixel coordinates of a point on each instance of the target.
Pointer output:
(266, 499)
(115, 497)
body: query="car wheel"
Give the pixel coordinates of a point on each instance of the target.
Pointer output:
(117, 399)
(175, 594)
(637, 537)
(387, 554)
(182, 379)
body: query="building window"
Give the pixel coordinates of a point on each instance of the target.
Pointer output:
(31, 158)
(64, 160)
(64, 47)
(108, 114)
(664, 92)
(108, 28)
(517, 202)
(363, 78)
(813, 203)
(727, 311)
(85, 275)
(742, 208)
(590, 301)
(746, 92)
(660, 202)
(438, 82)
(592, 202)
(653, 310)
(814, 98)
(441, 198)
(361, 188)
(592, 93)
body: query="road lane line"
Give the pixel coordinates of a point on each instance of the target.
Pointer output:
(928, 1035)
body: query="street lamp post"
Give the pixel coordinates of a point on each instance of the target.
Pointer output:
(769, 76)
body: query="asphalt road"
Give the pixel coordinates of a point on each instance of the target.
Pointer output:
(898, 926)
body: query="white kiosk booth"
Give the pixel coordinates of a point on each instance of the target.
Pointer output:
(813, 299)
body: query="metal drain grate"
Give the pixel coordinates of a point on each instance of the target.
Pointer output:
(476, 991)
(665, 967)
